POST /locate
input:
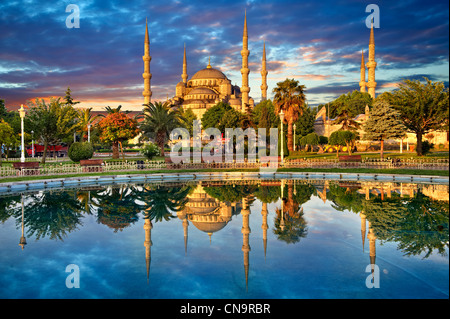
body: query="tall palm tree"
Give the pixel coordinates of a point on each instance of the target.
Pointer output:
(161, 202)
(346, 121)
(159, 120)
(289, 97)
(86, 118)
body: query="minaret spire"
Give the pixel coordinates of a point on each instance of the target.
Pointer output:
(245, 212)
(147, 93)
(148, 244)
(371, 65)
(184, 76)
(264, 213)
(264, 75)
(245, 89)
(362, 82)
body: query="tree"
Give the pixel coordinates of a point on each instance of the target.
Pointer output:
(423, 107)
(342, 138)
(159, 120)
(188, 119)
(116, 128)
(110, 110)
(231, 119)
(345, 119)
(264, 116)
(86, 118)
(68, 98)
(7, 136)
(67, 122)
(353, 102)
(310, 139)
(305, 123)
(214, 115)
(383, 123)
(289, 97)
(51, 122)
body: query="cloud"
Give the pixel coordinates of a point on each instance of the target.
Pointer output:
(315, 42)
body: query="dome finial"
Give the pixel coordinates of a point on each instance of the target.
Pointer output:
(209, 63)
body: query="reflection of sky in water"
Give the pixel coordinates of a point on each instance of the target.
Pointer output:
(328, 263)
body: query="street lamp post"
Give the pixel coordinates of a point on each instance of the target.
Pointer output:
(294, 136)
(89, 133)
(23, 240)
(282, 133)
(32, 144)
(22, 116)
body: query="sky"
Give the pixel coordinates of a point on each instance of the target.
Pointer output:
(318, 43)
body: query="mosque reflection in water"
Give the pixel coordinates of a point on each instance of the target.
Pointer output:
(415, 216)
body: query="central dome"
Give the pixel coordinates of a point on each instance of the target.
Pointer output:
(208, 73)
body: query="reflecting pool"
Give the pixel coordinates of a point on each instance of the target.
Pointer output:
(276, 239)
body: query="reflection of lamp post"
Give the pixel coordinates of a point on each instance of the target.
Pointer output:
(22, 116)
(294, 135)
(23, 240)
(282, 133)
(89, 133)
(32, 143)
(282, 212)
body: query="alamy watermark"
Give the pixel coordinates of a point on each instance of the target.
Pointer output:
(373, 17)
(73, 279)
(373, 280)
(73, 20)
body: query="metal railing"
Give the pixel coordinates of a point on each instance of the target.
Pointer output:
(128, 166)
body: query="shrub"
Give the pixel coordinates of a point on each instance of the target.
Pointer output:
(426, 147)
(150, 150)
(80, 151)
(323, 140)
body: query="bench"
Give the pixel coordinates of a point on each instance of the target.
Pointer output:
(350, 158)
(26, 168)
(267, 161)
(92, 165)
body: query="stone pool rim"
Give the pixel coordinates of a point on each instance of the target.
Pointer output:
(43, 184)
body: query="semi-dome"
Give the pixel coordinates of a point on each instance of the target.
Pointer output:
(201, 90)
(209, 227)
(208, 73)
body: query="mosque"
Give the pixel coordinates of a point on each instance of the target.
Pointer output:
(323, 125)
(209, 86)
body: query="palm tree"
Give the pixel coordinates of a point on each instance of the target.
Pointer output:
(159, 120)
(161, 202)
(86, 118)
(346, 121)
(289, 97)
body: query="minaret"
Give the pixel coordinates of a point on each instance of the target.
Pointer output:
(362, 82)
(371, 65)
(372, 250)
(184, 76)
(265, 226)
(185, 231)
(264, 75)
(147, 93)
(245, 89)
(148, 244)
(363, 228)
(245, 237)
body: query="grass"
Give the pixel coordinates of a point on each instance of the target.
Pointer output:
(390, 154)
(309, 170)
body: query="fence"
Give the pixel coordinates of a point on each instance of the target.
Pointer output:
(127, 166)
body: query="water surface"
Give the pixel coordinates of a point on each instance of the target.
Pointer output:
(230, 239)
